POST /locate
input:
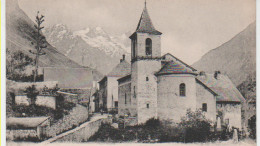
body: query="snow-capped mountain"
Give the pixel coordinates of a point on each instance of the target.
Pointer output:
(98, 38)
(92, 47)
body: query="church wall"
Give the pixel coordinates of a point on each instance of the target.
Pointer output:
(146, 91)
(129, 106)
(230, 112)
(205, 96)
(172, 106)
(156, 44)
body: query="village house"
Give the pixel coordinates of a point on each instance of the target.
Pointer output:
(108, 93)
(165, 87)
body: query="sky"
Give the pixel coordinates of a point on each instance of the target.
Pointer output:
(190, 28)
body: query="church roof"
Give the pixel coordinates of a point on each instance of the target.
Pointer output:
(145, 24)
(169, 57)
(122, 69)
(223, 86)
(175, 67)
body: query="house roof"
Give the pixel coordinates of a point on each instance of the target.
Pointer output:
(175, 67)
(122, 69)
(145, 24)
(25, 122)
(223, 86)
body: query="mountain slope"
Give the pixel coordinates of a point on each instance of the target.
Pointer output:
(236, 58)
(91, 47)
(19, 30)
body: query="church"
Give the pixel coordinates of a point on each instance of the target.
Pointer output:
(165, 87)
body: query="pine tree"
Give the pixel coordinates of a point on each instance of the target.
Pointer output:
(40, 43)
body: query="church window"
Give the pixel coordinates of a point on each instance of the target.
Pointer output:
(182, 89)
(147, 105)
(133, 46)
(148, 46)
(204, 107)
(125, 98)
(147, 79)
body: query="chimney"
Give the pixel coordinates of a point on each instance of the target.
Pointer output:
(216, 74)
(123, 56)
(202, 73)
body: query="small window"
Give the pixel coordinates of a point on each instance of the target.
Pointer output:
(147, 79)
(116, 104)
(125, 98)
(204, 107)
(182, 89)
(134, 92)
(147, 105)
(148, 46)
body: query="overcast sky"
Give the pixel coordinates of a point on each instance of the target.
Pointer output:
(190, 27)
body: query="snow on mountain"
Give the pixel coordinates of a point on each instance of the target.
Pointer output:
(92, 47)
(100, 39)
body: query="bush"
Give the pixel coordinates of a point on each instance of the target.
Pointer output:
(195, 126)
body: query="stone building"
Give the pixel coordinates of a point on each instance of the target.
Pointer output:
(165, 87)
(108, 92)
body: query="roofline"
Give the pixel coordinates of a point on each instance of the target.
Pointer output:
(230, 102)
(214, 93)
(124, 77)
(180, 61)
(102, 79)
(154, 33)
(156, 74)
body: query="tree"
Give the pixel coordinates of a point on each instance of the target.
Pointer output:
(32, 94)
(40, 42)
(16, 63)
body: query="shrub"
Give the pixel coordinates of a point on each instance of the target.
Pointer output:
(32, 93)
(195, 126)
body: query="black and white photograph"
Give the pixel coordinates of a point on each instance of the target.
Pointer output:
(135, 72)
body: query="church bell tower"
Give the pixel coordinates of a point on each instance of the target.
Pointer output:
(145, 61)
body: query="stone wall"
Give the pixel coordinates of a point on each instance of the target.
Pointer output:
(82, 133)
(20, 134)
(129, 106)
(77, 115)
(205, 96)
(47, 101)
(146, 88)
(230, 112)
(156, 44)
(39, 85)
(172, 106)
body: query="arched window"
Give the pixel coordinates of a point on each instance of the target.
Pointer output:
(148, 46)
(182, 89)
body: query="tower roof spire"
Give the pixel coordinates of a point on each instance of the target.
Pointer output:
(145, 24)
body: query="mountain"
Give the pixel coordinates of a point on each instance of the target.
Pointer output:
(236, 58)
(92, 47)
(19, 35)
